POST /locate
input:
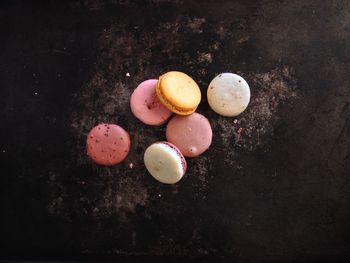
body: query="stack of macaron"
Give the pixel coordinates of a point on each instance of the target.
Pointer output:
(188, 133)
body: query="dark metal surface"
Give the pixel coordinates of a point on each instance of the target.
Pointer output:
(273, 186)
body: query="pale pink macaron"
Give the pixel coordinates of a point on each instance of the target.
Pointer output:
(192, 134)
(107, 144)
(146, 106)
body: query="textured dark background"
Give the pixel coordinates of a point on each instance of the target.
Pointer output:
(275, 184)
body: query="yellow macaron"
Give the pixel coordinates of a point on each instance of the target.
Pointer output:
(178, 92)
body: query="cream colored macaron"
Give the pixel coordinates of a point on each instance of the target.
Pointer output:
(165, 162)
(228, 94)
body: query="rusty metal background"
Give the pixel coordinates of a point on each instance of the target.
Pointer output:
(274, 186)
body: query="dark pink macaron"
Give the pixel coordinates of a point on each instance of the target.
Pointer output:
(146, 106)
(108, 144)
(192, 134)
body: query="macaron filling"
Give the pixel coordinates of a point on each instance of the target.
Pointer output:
(183, 160)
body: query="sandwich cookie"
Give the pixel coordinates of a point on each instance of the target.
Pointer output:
(107, 144)
(178, 92)
(146, 106)
(228, 94)
(165, 162)
(192, 134)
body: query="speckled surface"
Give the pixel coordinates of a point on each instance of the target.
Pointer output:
(273, 186)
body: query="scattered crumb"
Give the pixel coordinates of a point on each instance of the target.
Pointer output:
(221, 31)
(269, 91)
(205, 57)
(196, 24)
(243, 39)
(56, 206)
(199, 170)
(118, 192)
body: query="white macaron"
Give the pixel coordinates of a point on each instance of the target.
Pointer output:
(228, 94)
(165, 162)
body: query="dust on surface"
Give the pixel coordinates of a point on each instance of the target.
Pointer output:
(199, 169)
(195, 24)
(124, 61)
(254, 128)
(120, 67)
(117, 190)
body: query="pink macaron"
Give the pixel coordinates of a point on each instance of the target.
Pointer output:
(108, 144)
(192, 134)
(146, 106)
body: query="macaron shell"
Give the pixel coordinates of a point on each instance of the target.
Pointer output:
(228, 94)
(165, 162)
(146, 106)
(178, 92)
(108, 144)
(192, 134)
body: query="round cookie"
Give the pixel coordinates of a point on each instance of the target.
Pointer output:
(228, 94)
(165, 162)
(192, 134)
(107, 144)
(178, 92)
(146, 106)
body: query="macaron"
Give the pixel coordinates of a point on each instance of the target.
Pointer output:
(146, 106)
(107, 144)
(165, 162)
(192, 134)
(178, 92)
(228, 94)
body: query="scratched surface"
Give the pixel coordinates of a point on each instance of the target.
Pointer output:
(275, 183)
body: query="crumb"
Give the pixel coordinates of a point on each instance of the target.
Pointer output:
(127, 74)
(243, 39)
(271, 89)
(205, 57)
(196, 24)
(131, 165)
